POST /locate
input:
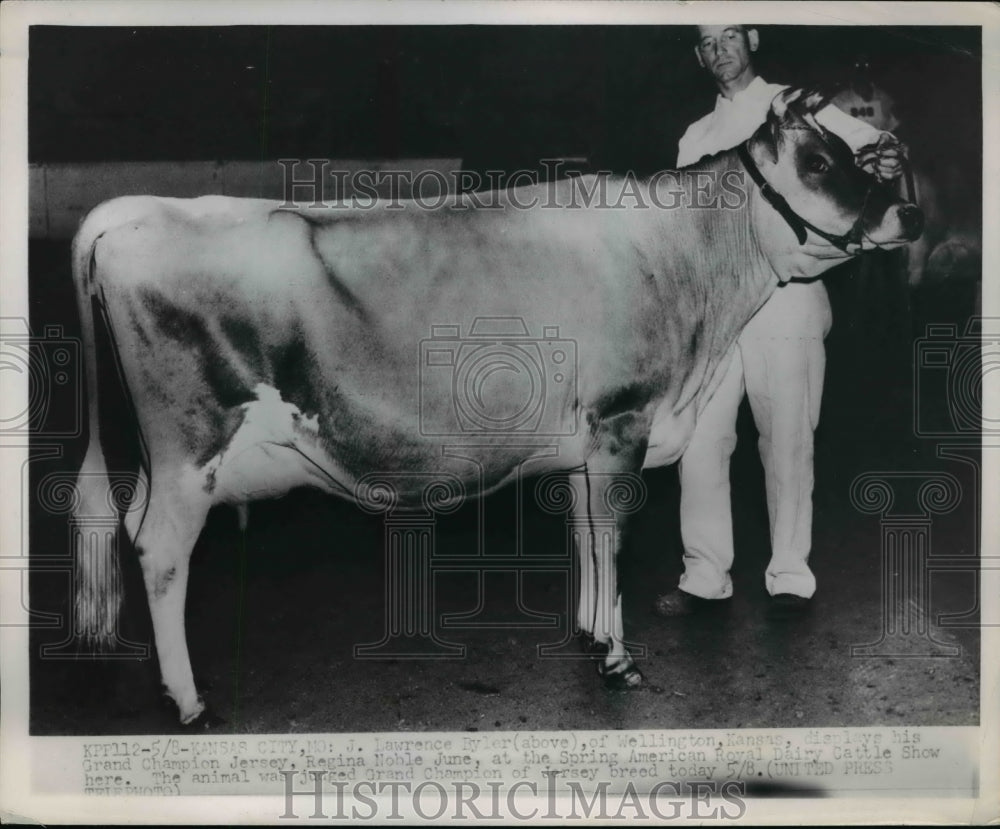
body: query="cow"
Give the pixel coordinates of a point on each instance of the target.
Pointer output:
(265, 346)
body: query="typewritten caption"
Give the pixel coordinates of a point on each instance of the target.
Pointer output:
(920, 760)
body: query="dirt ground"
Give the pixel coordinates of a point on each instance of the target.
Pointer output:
(275, 613)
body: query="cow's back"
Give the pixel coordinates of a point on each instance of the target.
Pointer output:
(233, 312)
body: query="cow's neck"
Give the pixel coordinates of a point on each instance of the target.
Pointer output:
(711, 268)
(753, 242)
(721, 243)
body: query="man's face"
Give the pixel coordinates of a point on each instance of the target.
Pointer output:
(725, 50)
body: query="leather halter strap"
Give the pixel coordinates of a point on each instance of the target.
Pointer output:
(795, 221)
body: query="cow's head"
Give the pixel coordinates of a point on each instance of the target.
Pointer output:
(844, 209)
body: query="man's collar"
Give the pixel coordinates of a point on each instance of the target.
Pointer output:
(752, 87)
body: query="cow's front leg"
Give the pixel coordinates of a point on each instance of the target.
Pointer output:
(613, 490)
(586, 609)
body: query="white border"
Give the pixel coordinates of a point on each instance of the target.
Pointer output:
(15, 17)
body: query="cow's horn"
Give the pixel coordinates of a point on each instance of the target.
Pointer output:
(813, 101)
(779, 106)
(811, 121)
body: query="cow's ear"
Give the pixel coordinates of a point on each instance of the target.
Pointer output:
(767, 137)
(808, 105)
(779, 117)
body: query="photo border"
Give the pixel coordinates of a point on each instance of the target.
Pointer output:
(17, 797)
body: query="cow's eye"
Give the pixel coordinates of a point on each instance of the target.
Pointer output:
(816, 164)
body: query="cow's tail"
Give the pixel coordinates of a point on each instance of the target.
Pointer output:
(98, 586)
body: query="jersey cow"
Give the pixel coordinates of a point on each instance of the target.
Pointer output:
(266, 347)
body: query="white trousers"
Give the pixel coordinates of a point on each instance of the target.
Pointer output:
(779, 363)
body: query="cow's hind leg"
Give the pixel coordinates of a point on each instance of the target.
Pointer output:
(164, 542)
(613, 491)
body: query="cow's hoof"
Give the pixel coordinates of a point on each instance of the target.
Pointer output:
(619, 676)
(624, 680)
(205, 721)
(586, 642)
(598, 651)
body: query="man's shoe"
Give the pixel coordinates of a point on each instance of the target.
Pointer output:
(783, 606)
(681, 603)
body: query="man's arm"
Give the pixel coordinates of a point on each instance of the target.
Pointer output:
(687, 152)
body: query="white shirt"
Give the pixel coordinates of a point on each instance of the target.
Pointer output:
(735, 120)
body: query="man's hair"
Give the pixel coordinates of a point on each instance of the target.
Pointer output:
(745, 26)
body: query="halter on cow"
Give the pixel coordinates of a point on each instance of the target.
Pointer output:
(266, 348)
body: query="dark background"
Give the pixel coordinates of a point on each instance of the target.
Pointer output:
(273, 614)
(620, 94)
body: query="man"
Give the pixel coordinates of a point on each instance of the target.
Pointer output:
(779, 362)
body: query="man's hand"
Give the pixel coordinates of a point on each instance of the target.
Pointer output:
(883, 159)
